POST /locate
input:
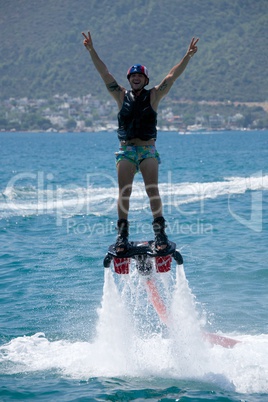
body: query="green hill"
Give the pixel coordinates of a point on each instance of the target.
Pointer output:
(42, 50)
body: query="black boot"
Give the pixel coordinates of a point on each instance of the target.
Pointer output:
(122, 244)
(161, 238)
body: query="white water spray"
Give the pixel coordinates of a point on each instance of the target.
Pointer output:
(131, 341)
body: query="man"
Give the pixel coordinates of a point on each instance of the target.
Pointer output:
(137, 133)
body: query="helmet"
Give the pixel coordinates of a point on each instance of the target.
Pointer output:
(139, 69)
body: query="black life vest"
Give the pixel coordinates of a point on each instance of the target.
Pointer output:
(137, 119)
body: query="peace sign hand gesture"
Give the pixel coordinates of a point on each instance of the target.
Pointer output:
(192, 49)
(88, 41)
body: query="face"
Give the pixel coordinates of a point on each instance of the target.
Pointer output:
(137, 81)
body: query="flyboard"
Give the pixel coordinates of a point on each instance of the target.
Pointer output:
(146, 257)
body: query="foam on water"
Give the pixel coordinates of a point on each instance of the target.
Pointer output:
(130, 341)
(26, 200)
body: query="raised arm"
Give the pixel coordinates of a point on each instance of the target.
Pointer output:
(114, 89)
(163, 88)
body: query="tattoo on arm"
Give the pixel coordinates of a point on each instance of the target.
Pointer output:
(113, 86)
(163, 86)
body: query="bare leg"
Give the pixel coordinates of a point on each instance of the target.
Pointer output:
(149, 171)
(126, 172)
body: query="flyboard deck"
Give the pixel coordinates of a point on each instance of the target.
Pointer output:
(143, 253)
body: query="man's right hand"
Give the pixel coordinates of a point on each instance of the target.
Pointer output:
(88, 41)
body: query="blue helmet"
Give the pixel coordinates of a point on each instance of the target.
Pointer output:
(139, 69)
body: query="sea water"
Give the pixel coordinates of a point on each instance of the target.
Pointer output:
(71, 330)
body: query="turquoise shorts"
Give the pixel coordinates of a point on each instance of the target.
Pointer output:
(136, 154)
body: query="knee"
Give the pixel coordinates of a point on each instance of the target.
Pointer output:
(125, 191)
(152, 191)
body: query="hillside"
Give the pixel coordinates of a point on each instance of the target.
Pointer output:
(42, 51)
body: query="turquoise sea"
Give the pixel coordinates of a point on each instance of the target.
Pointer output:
(72, 330)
